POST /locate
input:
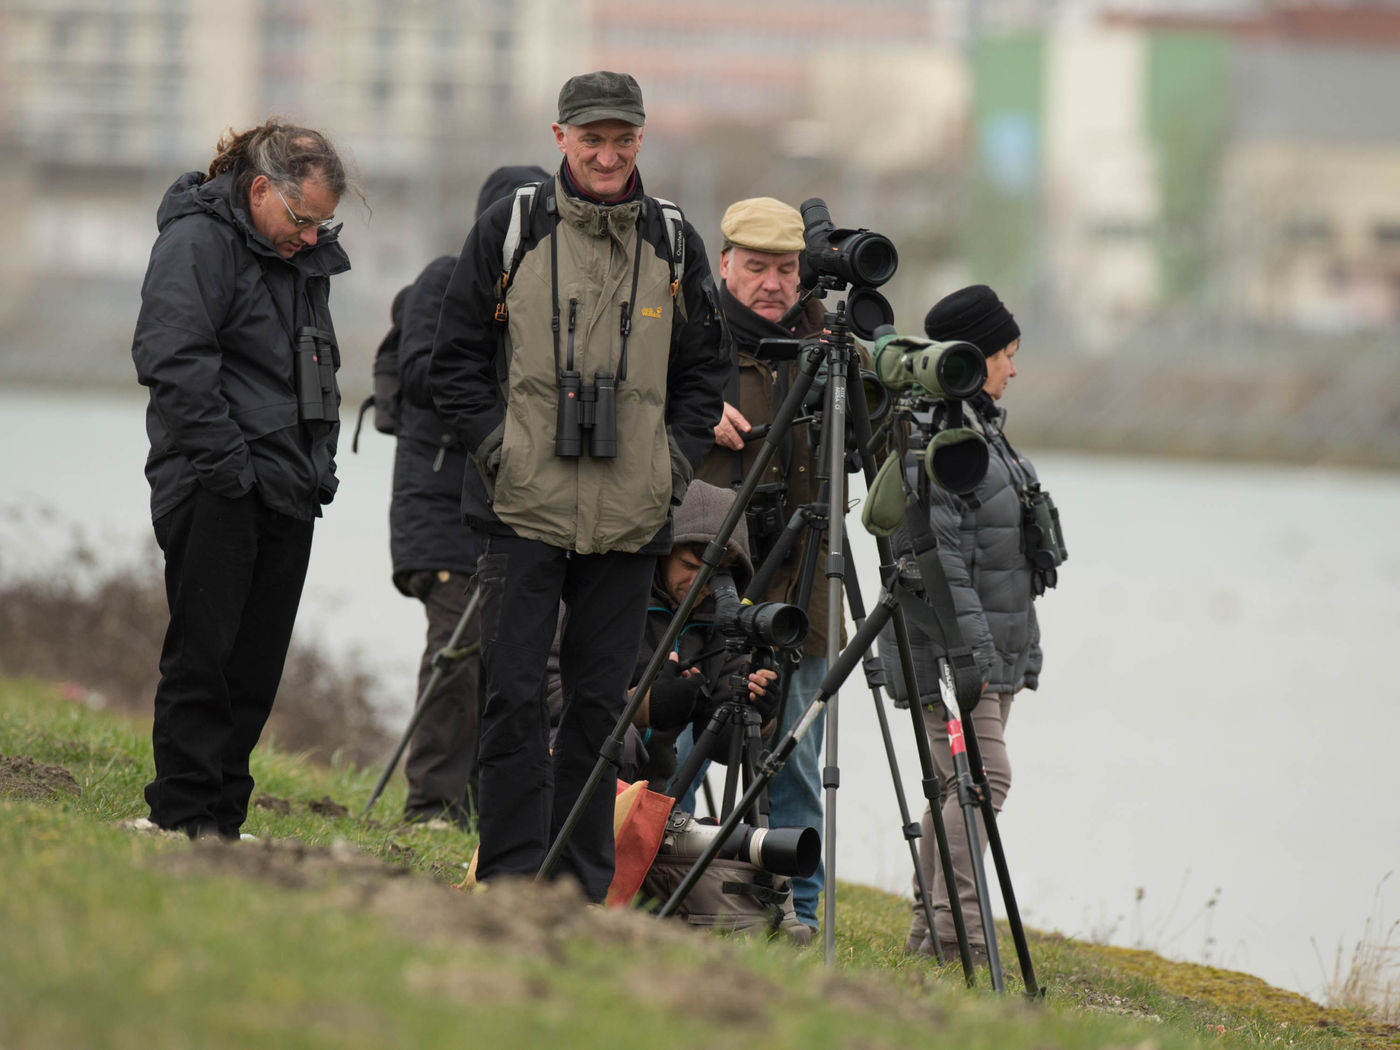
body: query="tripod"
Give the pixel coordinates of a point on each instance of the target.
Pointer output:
(924, 592)
(930, 600)
(741, 722)
(813, 521)
(839, 361)
(815, 518)
(442, 661)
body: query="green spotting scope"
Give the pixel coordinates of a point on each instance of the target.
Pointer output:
(955, 457)
(939, 370)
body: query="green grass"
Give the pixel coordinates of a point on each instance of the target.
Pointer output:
(332, 932)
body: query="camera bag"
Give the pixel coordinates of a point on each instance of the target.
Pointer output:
(732, 896)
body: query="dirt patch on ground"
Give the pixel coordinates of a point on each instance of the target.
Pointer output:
(328, 807)
(529, 916)
(22, 777)
(277, 805)
(527, 920)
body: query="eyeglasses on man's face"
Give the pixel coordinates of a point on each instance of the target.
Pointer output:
(301, 223)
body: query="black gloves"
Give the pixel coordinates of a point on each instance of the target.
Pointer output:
(673, 697)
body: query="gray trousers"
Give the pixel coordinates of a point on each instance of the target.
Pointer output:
(989, 723)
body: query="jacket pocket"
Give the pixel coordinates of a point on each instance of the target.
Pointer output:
(264, 419)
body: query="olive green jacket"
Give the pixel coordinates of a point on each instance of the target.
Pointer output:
(669, 394)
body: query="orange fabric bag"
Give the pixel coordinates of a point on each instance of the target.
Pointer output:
(639, 821)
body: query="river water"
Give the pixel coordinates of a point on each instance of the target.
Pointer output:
(1208, 770)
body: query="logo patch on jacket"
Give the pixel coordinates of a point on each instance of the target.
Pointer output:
(651, 311)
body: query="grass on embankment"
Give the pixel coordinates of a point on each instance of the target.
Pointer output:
(332, 932)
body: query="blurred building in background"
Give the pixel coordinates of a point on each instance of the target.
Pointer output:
(1238, 169)
(1218, 175)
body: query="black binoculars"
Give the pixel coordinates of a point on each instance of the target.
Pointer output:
(586, 407)
(1043, 538)
(314, 357)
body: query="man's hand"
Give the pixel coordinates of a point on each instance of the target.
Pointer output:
(730, 429)
(760, 680)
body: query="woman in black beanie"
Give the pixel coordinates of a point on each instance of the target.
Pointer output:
(994, 586)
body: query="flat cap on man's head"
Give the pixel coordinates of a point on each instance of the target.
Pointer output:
(762, 224)
(589, 97)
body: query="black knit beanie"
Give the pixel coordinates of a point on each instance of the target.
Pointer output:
(974, 315)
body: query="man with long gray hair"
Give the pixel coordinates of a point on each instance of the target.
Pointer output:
(234, 341)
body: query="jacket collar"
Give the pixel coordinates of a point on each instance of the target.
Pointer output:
(596, 219)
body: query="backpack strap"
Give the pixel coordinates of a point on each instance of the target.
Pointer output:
(512, 248)
(522, 218)
(673, 222)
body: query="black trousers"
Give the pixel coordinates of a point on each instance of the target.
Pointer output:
(441, 766)
(233, 577)
(526, 793)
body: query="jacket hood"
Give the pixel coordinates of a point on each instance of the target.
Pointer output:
(190, 194)
(504, 181)
(698, 520)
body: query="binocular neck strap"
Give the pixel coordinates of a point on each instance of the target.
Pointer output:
(554, 295)
(627, 304)
(554, 323)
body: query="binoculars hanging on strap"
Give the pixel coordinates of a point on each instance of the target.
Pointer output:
(1042, 537)
(586, 408)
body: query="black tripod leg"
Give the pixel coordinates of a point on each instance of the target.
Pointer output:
(912, 831)
(1008, 893)
(732, 774)
(684, 777)
(751, 755)
(442, 659)
(933, 795)
(969, 796)
(709, 797)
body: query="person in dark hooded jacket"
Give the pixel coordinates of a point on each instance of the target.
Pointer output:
(234, 341)
(701, 659)
(434, 552)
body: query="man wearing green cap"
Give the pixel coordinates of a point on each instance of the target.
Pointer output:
(758, 266)
(579, 357)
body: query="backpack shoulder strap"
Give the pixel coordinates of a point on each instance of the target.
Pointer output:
(522, 214)
(673, 222)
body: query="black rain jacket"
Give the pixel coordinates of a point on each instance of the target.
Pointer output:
(214, 344)
(426, 531)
